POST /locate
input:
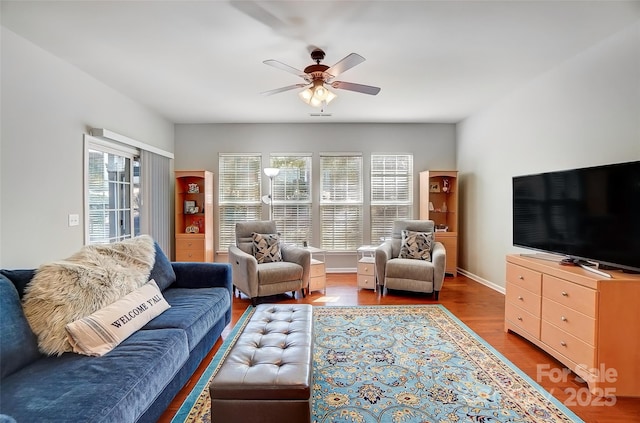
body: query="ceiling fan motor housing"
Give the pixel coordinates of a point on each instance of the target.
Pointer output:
(317, 55)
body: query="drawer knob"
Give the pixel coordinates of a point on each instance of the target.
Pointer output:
(564, 319)
(564, 344)
(564, 294)
(521, 277)
(520, 297)
(189, 244)
(520, 318)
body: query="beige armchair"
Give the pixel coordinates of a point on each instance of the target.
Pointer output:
(263, 279)
(410, 274)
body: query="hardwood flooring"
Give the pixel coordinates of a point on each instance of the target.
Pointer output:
(480, 308)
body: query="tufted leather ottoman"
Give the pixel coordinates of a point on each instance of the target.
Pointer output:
(267, 375)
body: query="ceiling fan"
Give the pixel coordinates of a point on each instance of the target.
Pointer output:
(316, 76)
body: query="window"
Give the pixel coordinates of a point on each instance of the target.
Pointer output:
(341, 201)
(127, 189)
(292, 197)
(111, 193)
(238, 194)
(391, 192)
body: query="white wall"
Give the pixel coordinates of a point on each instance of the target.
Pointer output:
(586, 112)
(432, 145)
(47, 106)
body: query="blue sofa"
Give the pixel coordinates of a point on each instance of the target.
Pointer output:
(136, 381)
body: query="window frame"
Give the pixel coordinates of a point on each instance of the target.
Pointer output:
(133, 188)
(249, 208)
(341, 219)
(286, 207)
(384, 209)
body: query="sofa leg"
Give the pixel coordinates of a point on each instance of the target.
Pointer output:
(436, 294)
(302, 291)
(254, 301)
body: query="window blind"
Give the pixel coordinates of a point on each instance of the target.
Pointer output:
(391, 192)
(292, 197)
(155, 218)
(341, 198)
(239, 192)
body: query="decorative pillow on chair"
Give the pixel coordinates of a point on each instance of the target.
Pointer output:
(416, 245)
(266, 247)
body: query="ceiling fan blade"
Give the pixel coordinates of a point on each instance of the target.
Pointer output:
(279, 65)
(345, 64)
(365, 89)
(287, 88)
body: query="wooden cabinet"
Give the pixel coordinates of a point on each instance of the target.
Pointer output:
(367, 273)
(194, 215)
(587, 322)
(318, 271)
(439, 202)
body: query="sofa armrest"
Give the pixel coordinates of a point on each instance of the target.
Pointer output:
(202, 275)
(383, 255)
(245, 271)
(439, 260)
(294, 254)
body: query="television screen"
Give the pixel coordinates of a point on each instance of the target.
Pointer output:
(590, 213)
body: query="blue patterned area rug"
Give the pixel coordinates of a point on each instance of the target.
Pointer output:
(402, 364)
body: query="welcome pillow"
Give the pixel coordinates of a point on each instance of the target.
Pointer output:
(102, 331)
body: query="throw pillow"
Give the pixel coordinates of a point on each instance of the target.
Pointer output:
(68, 290)
(416, 245)
(162, 271)
(266, 247)
(102, 331)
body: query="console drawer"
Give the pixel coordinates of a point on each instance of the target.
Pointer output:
(569, 294)
(568, 345)
(569, 320)
(524, 278)
(524, 299)
(522, 318)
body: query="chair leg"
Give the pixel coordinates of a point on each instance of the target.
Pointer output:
(302, 291)
(254, 301)
(436, 294)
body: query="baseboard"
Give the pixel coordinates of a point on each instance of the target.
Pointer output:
(482, 281)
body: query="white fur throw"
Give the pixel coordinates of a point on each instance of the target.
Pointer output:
(96, 276)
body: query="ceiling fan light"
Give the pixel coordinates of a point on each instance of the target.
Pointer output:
(315, 102)
(330, 96)
(306, 95)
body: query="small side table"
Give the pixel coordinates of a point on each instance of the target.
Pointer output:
(318, 271)
(367, 267)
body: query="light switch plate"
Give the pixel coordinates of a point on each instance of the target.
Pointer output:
(74, 219)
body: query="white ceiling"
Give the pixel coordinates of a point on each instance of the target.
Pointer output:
(201, 61)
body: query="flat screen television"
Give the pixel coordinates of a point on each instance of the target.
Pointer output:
(589, 215)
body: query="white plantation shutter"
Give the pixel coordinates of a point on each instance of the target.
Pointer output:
(239, 192)
(292, 197)
(391, 192)
(341, 199)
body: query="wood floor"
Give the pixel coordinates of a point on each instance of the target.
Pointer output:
(480, 308)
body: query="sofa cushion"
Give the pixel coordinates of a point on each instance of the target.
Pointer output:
(162, 271)
(419, 270)
(20, 278)
(18, 344)
(117, 387)
(282, 271)
(195, 310)
(102, 331)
